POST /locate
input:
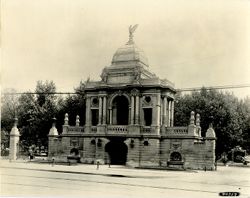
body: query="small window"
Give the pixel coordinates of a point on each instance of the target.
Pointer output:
(147, 99)
(94, 101)
(146, 143)
(99, 143)
(93, 142)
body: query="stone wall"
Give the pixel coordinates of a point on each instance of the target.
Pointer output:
(199, 154)
(164, 151)
(143, 152)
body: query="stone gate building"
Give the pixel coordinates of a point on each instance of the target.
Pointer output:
(129, 120)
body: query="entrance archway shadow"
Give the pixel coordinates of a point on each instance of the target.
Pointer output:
(117, 151)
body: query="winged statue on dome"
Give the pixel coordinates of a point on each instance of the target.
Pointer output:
(131, 30)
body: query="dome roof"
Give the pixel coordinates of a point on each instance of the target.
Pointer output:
(129, 52)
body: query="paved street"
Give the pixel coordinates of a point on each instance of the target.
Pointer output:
(23, 179)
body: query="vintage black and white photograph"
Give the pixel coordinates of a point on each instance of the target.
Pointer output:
(125, 98)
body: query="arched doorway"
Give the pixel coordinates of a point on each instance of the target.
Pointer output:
(120, 109)
(117, 151)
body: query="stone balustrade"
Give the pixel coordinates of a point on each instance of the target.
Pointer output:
(146, 129)
(176, 131)
(72, 129)
(119, 129)
(94, 129)
(124, 129)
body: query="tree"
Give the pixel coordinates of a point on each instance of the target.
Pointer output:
(9, 110)
(228, 112)
(73, 105)
(36, 113)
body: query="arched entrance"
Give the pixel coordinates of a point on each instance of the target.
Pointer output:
(120, 110)
(117, 151)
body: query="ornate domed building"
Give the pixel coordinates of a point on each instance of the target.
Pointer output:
(129, 120)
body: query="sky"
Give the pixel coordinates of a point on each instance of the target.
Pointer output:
(192, 43)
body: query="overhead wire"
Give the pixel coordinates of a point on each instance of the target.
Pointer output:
(178, 90)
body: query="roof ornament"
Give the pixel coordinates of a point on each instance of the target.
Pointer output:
(131, 30)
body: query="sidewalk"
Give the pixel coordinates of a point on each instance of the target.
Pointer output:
(114, 170)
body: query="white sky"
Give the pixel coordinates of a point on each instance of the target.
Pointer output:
(190, 42)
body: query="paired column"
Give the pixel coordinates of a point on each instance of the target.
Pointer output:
(104, 118)
(110, 116)
(168, 112)
(87, 123)
(132, 109)
(102, 110)
(137, 109)
(158, 109)
(171, 113)
(135, 106)
(165, 111)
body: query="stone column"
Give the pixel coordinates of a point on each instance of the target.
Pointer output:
(132, 110)
(104, 118)
(169, 112)
(141, 120)
(87, 123)
(156, 111)
(165, 111)
(158, 108)
(172, 114)
(110, 116)
(14, 141)
(100, 111)
(137, 109)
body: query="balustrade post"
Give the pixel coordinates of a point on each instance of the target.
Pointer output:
(66, 119)
(192, 118)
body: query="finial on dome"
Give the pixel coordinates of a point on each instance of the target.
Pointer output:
(131, 30)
